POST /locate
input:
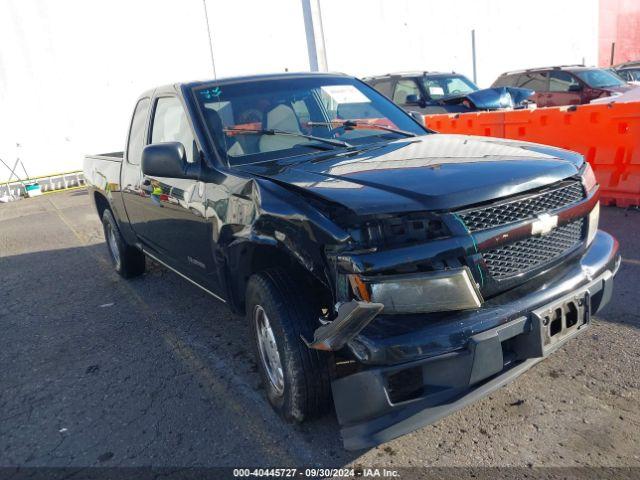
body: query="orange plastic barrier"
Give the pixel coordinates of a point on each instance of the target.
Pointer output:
(607, 135)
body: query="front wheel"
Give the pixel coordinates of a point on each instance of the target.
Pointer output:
(127, 260)
(296, 378)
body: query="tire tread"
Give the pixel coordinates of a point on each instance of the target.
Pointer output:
(300, 319)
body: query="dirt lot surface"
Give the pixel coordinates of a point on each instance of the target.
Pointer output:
(99, 371)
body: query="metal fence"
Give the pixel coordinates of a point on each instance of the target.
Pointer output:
(51, 183)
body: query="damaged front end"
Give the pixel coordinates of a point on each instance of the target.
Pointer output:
(350, 319)
(395, 265)
(427, 321)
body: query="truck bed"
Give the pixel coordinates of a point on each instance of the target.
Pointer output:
(103, 170)
(112, 156)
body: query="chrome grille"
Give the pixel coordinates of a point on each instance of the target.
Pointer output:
(495, 215)
(533, 252)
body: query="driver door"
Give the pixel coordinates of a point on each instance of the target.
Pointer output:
(170, 219)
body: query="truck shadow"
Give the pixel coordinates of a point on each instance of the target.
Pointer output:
(149, 371)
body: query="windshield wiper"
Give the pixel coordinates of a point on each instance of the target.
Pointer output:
(349, 124)
(273, 131)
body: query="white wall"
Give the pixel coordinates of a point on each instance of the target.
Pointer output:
(70, 70)
(435, 35)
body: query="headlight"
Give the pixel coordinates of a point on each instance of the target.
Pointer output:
(594, 218)
(588, 178)
(438, 291)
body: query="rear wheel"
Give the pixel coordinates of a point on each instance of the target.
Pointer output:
(127, 260)
(295, 377)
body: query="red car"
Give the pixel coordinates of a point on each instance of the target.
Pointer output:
(565, 85)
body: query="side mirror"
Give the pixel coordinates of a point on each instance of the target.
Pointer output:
(164, 160)
(575, 87)
(413, 99)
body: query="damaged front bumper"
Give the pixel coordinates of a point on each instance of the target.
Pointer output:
(431, 366)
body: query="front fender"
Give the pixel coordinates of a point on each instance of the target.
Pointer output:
(280, 228)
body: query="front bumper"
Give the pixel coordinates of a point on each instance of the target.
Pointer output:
(449, 362)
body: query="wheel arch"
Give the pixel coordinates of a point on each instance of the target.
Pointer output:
(248, 258)
(101, 203)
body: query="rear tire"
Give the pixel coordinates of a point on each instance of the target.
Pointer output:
(279, 311)
(127, 260)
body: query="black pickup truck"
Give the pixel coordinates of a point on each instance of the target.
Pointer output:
(399, 272)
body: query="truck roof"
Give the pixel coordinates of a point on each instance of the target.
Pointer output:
(239, 79)
(265, 76)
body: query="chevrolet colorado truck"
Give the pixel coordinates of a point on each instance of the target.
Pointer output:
(397, 273)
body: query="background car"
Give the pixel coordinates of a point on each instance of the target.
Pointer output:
(565, 85)
(436, 92)
(421, 91)
(629, 71)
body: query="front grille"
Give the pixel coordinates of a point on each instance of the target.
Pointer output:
(533, 252)
(522, 208)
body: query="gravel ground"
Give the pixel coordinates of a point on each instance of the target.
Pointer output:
(99, 371)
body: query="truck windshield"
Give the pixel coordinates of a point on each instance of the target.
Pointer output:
(259, 120)
(598, 78)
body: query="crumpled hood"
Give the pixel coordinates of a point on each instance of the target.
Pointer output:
(494, 98)
(431, 172)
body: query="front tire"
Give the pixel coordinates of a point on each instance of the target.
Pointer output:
(295, 377)
(127, 260)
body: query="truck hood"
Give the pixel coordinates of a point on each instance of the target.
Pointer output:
(431, 172)
(493, 98)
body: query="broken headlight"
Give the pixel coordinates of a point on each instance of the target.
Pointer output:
(437, 291)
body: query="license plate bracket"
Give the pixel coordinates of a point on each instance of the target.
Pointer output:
(553, 324)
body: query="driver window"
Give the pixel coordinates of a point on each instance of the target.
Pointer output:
(137, 131)
(404, 88)
(170, 124)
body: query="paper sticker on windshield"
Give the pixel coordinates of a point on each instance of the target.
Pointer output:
(436, 90)
(345, 94)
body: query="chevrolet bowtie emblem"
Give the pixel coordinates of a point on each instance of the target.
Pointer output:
(544, 224)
